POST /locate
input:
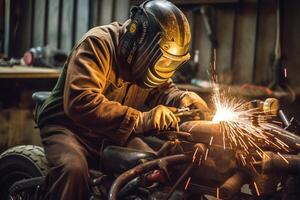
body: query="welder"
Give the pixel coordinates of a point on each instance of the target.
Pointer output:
(115, 85)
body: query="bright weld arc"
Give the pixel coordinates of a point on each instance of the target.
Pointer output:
(238, 124)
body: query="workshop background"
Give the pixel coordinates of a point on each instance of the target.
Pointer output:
(242, 32)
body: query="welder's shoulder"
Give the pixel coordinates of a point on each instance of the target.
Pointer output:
(107, 34)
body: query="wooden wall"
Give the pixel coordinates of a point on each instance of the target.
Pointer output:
(245, 30)
(246, 35)
(59, 23)
(1, 26)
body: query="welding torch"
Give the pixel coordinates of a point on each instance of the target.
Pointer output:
(187, 112)
(181, 113)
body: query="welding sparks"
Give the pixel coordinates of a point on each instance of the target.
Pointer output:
(187, 183)
(224, 113)
(256, 188)
(200, 159)
(195, 153)
(228, 109)
(285, 160)
(206, 154)
(211, 140)
(240, 126)
(192, 127)
(243, 160)
(285, 72)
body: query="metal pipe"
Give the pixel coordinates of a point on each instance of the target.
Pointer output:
(233, 185)
(202, 131)
(273, 163)
(183, 176)
(142, 168)
(284, 118)
(165, 148)
(289, 138)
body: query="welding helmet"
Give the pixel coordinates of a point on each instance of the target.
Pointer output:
(155, 43)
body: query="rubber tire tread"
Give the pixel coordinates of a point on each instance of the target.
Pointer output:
(27, 161)
(33, 153)
(25, 184)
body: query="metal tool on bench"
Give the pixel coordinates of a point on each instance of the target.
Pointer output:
(44, 57)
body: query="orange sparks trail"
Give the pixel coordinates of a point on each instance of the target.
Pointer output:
(241, 128)
(211, 140)
(241, 123)
(283, 158)
(200, 159)
(187, 183)
(206, 154)
(256, 188)
(195, 153)
(192, 127)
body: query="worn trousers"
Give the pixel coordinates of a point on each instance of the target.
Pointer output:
(70, 158)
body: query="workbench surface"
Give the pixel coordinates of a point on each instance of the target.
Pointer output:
(28, 72)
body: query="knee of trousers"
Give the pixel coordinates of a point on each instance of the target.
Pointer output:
(76, 167)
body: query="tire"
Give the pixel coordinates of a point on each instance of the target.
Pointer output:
(27, 184)
(21, 162)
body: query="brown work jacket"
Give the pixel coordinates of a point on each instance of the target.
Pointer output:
(95, 95)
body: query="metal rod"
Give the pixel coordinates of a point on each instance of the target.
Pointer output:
(142, 168)
(273, 163)
(180, 179)
(291, 139)
(284, 118)
(232, 185)
(165, 148)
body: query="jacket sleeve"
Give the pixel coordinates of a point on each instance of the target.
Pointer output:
(84, 102)
(167, 94)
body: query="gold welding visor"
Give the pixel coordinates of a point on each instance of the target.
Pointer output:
(164, 68)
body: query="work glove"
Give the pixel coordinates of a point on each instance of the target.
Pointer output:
(158, 118)
(194, 101)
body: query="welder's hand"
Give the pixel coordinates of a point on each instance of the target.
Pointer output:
(158, 118)
(194, 101)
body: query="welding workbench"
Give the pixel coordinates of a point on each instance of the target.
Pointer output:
(29, 72)
(20, 72)
(18, 83)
